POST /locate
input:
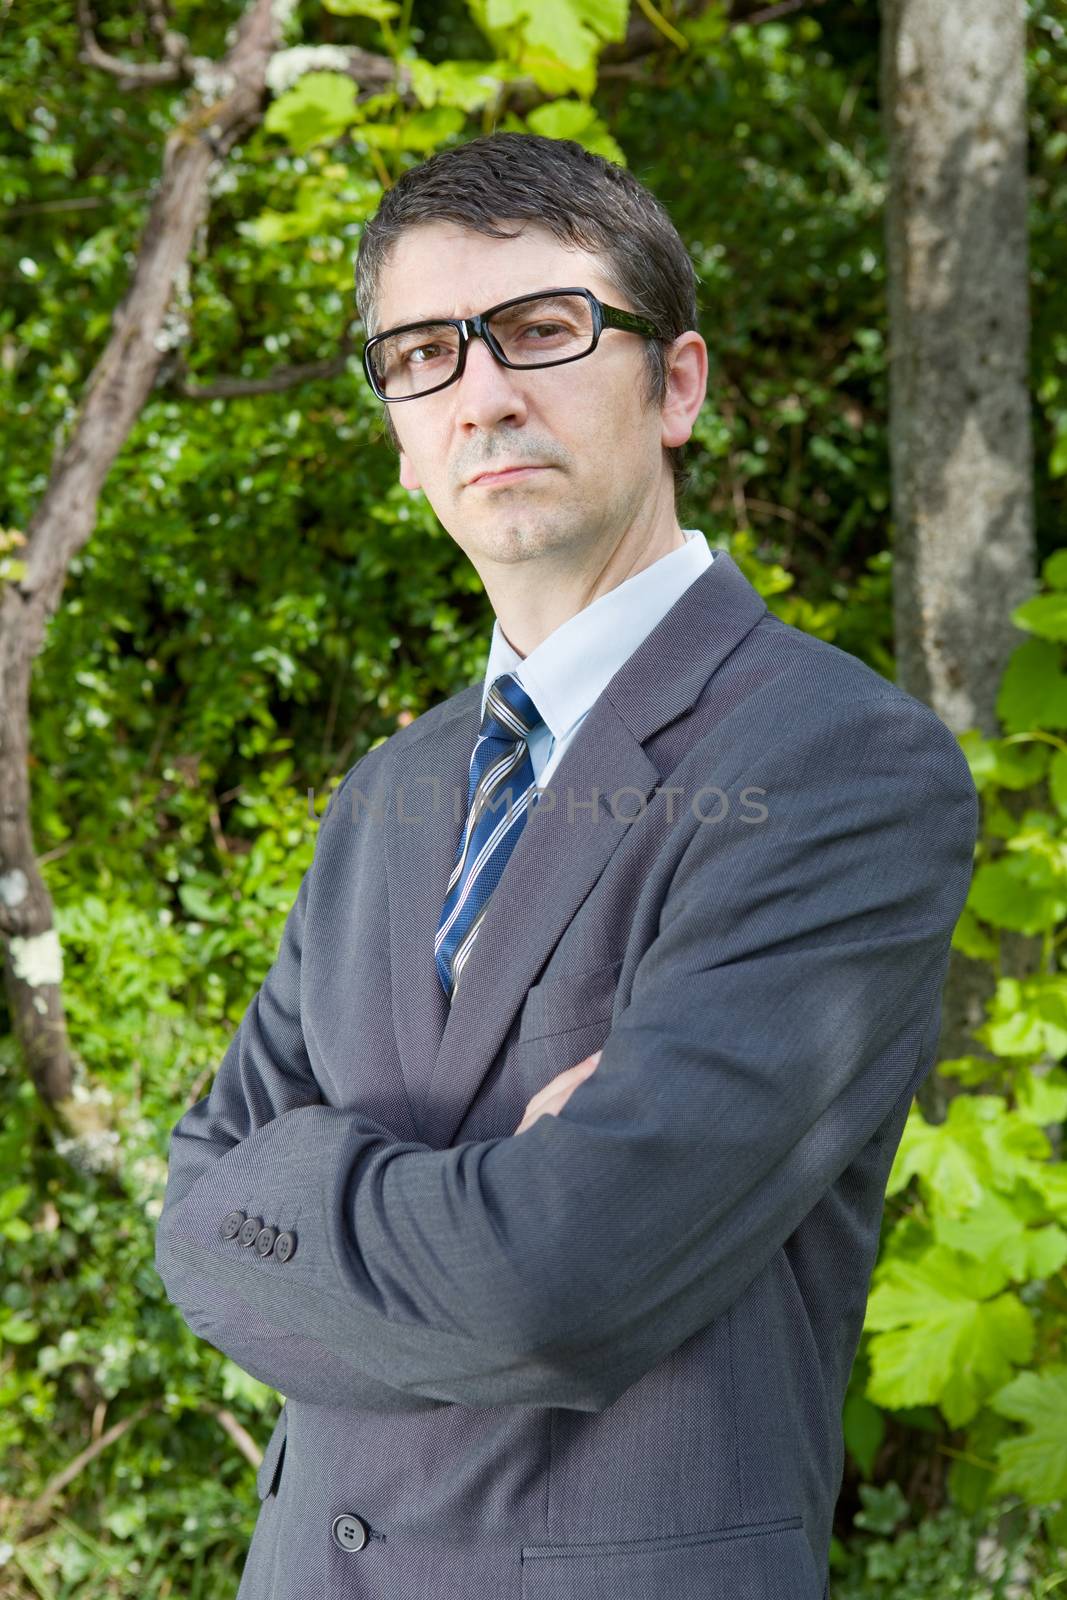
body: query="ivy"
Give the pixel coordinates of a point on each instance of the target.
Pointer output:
(969, 1287)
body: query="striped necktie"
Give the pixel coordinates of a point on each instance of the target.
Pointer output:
(500, 794)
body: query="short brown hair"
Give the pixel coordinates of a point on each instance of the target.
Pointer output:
(585, 200)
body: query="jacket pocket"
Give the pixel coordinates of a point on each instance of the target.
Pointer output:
(269, 1471)
(753, 1562)
(569, 1000)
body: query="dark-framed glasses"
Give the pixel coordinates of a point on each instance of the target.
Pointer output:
(544, 329)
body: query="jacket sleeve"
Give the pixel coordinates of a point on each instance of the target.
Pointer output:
(789, 999)
(264, 1073)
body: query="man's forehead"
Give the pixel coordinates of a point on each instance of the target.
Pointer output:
(444, 270)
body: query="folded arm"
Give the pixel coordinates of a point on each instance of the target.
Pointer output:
(786, 1004)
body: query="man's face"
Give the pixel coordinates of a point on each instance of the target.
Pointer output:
(585, 424)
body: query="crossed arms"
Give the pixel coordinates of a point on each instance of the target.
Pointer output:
(789, 1000)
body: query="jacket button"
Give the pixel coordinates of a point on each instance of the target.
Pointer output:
(349, 1531)
(285, 1247)
(231, 1225)
(265, 1241)
(249, 1228)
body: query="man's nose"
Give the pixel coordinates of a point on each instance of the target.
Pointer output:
(486, 387)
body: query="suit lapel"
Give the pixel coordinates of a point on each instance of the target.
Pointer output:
(430, 772)
(446, 1051)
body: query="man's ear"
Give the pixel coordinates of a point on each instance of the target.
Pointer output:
(687, 384)
(407, 473)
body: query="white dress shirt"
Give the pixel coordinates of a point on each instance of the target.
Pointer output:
(568, 670)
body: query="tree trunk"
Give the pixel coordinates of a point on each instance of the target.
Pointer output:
(229, 101)
(954, 101)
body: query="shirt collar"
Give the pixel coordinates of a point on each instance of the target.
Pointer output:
(570, 668)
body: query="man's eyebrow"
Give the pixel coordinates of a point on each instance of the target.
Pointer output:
(459, 315)
(414, 316)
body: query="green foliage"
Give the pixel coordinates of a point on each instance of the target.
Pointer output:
(316, 110)
(951, 1553)
(262, 602)
(1036, 1462)
(970, 1285)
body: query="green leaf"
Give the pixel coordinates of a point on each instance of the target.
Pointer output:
(938, 1338)
(574, 119)
(17, 1331)
(1041, 1097)
(12, 1200)
(1051, 1183)
(1045, 615)
(555, 41)
(197, 901)
(707, 29)
(321, 206)
(1004, 892)
(1016, 1147)
(1027, 1017)
(972, 939)
(1033, 688)
(1057, 461)
(979, 1146)
(950, 1157)
(571, 30)
(1018, 764)
(884, 1507)
(1054, 570)
(994, 1231)
(316, 110)
(970, 1070)
(470, 85)
(1035, 1464)
(422, 131)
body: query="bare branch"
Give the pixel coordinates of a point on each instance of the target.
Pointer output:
(228, 99)
(240, 1436)
(54, 1486)
(771, 13)
(135, 72)
(85, 203)
(127, 368)
(272, 383)
(174, 45)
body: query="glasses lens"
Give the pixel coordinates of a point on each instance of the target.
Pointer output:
(420, 358)
(544, 328)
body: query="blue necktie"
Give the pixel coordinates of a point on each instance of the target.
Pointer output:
(500, 794)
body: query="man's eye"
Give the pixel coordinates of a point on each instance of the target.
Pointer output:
(553, 327)
(416, 348)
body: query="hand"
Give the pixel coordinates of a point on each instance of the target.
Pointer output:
(554, 1096)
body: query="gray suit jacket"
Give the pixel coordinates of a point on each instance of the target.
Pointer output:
(605, 1359)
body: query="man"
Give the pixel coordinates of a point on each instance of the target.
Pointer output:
(549, 1196)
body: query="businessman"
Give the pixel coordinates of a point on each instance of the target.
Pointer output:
(544, 1173)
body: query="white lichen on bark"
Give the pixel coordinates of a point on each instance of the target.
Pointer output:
(286, 66)
(14, 887)
(37, 960)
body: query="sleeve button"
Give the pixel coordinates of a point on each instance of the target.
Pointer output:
(231, 1225)
(265, 1241)
(285, 1246)
(249, 1228)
